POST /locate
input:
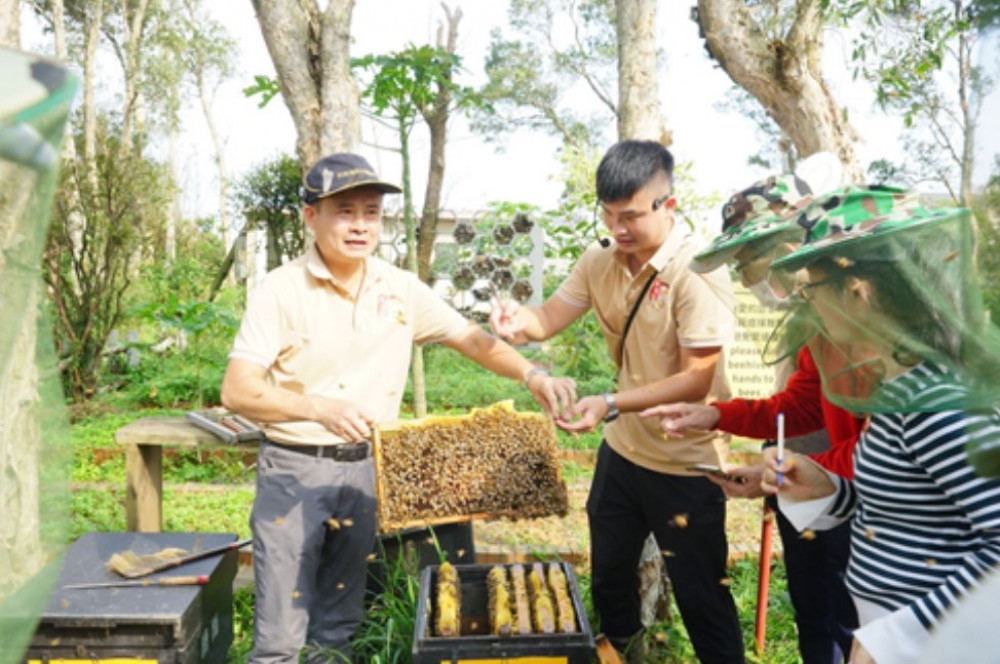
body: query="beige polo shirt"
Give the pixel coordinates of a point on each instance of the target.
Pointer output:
(313, 338)
(681, 309)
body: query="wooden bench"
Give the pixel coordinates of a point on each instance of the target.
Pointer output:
(144, 441)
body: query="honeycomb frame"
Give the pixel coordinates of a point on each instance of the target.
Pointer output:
(492, 463)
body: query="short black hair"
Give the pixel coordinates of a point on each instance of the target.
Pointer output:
(630, 165)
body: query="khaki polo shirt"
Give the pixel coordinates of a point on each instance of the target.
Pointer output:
(313, 338)
(681, 309)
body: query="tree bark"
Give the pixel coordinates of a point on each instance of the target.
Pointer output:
(436, 117)
(639, 112)
(310, 49)
(969, 109)
(95, 17)
(21, 554)
(135, 23)
(176, 215)
(783, 73)
(207, 100)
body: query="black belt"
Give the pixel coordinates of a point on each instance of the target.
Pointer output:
(338, 451)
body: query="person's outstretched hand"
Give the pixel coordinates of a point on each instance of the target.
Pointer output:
(677, 418)
(506, 321)
(556, 395)
(585, 415)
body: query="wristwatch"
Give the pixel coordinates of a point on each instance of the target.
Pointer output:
(612, 413)
(532, 372)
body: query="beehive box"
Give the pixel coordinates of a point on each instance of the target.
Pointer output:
(138, 625)
(475, 644)
(494, 462)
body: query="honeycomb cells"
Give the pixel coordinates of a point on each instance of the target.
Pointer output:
(498, 253)
(493, 462)
(464, 232)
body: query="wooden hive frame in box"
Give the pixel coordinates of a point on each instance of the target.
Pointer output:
(493, 462)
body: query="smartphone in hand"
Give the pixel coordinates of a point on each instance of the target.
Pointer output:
(715, 471)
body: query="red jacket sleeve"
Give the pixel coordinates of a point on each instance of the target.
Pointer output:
(800, 401)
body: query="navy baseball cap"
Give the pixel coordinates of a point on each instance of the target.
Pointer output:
(339, 172)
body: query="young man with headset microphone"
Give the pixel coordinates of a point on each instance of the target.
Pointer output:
(665, 327)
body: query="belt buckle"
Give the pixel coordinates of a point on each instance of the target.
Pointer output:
(350, 451)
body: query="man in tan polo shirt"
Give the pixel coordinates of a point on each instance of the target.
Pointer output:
(322, 354)
(679, 322)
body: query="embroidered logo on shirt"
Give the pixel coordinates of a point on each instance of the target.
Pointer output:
(658, 292)
(390, 307)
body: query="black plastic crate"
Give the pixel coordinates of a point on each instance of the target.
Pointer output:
(161, 625)
(476, 644)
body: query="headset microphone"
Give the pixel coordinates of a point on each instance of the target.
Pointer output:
(606, 242)
(603, 241)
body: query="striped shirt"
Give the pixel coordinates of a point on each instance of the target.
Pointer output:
(926, 527)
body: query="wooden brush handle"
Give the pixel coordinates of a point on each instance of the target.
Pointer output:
(199, 580)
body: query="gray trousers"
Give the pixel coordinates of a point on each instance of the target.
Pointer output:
(310, 572)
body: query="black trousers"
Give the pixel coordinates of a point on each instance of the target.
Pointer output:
(687, 515)
(824, 611)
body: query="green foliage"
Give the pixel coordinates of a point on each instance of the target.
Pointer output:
(243, 620)
(386, 635)
(919, 57)
(407, 82)
(572, 226)
(457, 384)
(669, 642)
(212, 510)
(98, 509)
(580, 351)
(199, 367)
(191, 317)
(270, 197)
(97, 458)
(531, 74)
(265, 86)
(175, 380)
(99, 230)
(207, 52)
(199, 257)
(985, 14)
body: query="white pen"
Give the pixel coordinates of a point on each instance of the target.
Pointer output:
(781, 444)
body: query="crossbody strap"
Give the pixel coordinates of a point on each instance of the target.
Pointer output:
(631, 317)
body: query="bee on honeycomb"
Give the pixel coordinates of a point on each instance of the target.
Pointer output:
(493, 462)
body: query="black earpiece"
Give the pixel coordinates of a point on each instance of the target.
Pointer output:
(657, 203)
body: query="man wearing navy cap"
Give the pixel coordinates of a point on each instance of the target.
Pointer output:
(322, 354)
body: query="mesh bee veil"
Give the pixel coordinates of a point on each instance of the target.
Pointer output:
(892, 290)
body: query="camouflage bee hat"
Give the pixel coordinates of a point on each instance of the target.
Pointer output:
(926, 306)
(758, 214)
(853, 219)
